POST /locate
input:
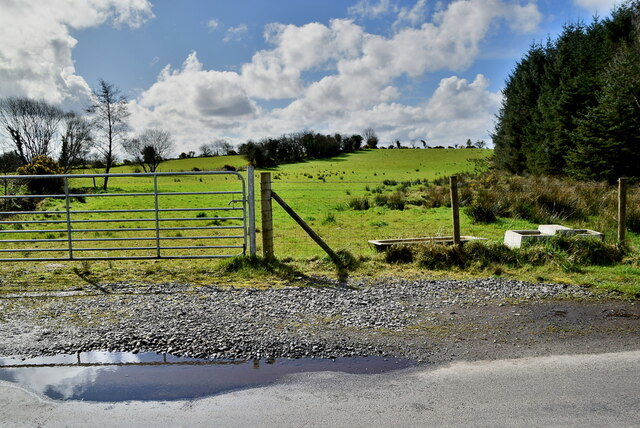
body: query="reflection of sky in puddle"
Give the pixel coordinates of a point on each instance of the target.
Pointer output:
(121, 376)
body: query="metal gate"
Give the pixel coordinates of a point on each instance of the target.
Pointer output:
(168, 215)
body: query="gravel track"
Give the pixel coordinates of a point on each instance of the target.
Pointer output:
(425, 320)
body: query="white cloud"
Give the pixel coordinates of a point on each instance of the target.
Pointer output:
(457, 110)
(333, 77)
(357, 85)
(35, 53)
(213, 24)
(369, 9)
(411, 16)
(235, 33)
(598, 6)
(191, 101)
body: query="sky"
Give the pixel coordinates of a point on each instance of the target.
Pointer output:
(249, 69)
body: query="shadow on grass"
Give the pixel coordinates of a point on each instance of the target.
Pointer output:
(85, 275)
(250, 266)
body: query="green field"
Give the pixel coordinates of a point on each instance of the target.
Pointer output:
(320, 191)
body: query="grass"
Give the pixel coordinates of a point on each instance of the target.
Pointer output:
(403, 198)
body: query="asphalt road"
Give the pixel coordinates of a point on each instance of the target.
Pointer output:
(571, 390)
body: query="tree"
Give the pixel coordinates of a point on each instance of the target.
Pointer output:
(220, 147)
(76, 141)
(9, 162)
(149, 149)
(31, 126)
(608, 135)
(370, 138)
(133, 148)
(109, 114)
(481, 144)
(156, 147)
(206, 150)
(552, 100)
(43, 165)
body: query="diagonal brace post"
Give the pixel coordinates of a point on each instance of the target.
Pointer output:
(318, 240)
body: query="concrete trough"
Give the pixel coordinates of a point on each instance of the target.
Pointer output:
(384, 244)
(518, 238)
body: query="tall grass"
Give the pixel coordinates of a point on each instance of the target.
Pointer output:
(567, 253)
(539, 200)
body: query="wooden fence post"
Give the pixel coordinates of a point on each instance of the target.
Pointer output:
(455, 214)
(251, 207)
(622, 209)
(267, 219)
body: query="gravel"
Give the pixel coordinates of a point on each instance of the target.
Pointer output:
(394, 317)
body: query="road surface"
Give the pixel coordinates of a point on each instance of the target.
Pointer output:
(570, 390)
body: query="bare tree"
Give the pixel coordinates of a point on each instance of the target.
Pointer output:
(156, 147)
(221, 147)
(370, 138)
(205, 150)
(31, 126)
(76, 141)
(150, 148)
(133, 148)
(110, 114)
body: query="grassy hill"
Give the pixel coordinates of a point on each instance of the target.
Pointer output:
(329, 194)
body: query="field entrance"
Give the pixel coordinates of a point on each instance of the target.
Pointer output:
(170, 215)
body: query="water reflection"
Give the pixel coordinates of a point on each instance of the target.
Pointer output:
(122, 376)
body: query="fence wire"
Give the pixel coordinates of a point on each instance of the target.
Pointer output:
(349, 213)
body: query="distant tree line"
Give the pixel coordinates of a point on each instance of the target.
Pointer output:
(572, 105)
(296, 147)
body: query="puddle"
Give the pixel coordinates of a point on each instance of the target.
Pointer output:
(123, 376)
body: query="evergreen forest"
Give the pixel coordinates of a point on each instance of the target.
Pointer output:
(571, 106)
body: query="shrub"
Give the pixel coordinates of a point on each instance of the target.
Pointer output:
(43, 165)
(436, 196)
(480, 212)
(395, 201)
(568, 253)
(483, 208)
(399, 254)
(633, 218)
(380, 200)
(438, 256)
(358, 204)
(349, 262)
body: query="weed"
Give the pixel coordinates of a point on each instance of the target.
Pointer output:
(330, 218)
(566, 253)
(394, 201)
(482, 209)
(399, 254)
(358, 204)
(85, 266)
(249, 266)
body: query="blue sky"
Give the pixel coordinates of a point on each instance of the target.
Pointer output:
(248, 69)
